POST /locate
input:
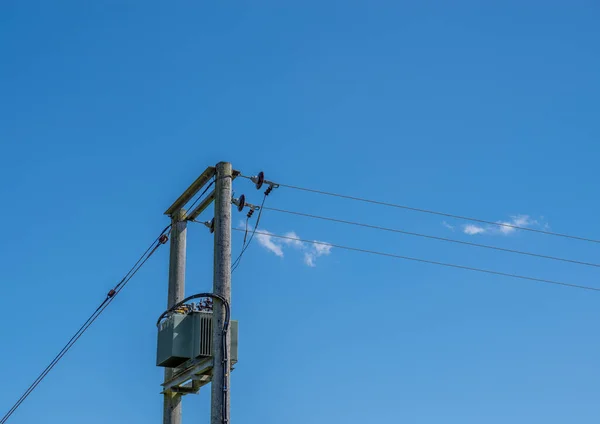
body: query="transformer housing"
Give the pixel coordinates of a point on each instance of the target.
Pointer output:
(182, 337)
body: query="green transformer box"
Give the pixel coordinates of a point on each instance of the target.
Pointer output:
(186, 336)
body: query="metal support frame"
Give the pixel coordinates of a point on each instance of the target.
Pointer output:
(191, 376)
(196, 371)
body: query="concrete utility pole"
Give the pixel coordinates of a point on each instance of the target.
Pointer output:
(172, 401)
(220, 393)
(196, 372)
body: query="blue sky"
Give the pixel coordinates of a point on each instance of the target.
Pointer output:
(108, 110)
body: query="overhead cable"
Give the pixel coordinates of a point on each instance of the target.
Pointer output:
(427, 236)
(160, 240)
(427, 261)
(191, 207)
(245, 245)
(439, 213)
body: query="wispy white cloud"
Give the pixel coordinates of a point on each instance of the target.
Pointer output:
(317, 249)
(322, 248)
(292, 240)
(473, 229)
(505, 228)
(309, 259)
(516, 221)
(448, 226)
(266, 240)
(311, 251)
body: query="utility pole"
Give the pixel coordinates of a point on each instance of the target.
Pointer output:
(176, 293)
(196, 372)
(220, 393)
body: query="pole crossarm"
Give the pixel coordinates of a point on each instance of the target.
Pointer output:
(191, 190)
(194, 188)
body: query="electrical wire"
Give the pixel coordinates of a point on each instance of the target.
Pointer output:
(191, 207)
(439, 213)
(427, 261)
(427, 236)
(238, 260)
(103, 305)
(196, 296)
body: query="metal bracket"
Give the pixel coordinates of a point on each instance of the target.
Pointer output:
(194, 374)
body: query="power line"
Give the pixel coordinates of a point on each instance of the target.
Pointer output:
(450, 240)
(433, 212)
(202, 194)
(160, 240)
(237, 262)
(426, 261)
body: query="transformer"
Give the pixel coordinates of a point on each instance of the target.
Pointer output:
(185, 336)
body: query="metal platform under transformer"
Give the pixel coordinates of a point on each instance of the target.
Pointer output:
(190, 377)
